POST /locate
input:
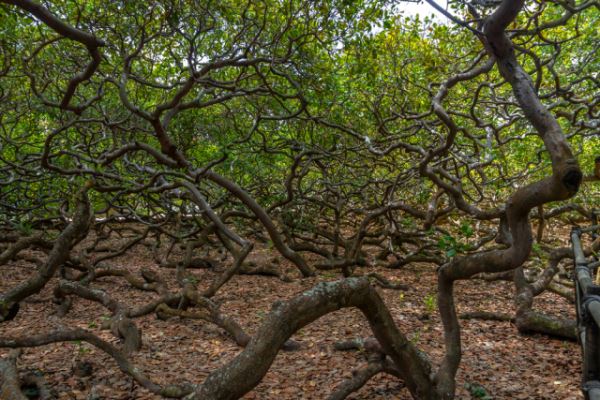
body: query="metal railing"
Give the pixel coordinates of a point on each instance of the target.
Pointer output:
(587, 294)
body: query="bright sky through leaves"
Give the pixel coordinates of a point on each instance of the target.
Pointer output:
(423, 9)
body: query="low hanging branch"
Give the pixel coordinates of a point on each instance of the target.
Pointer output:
(339, 204)
(246, 370)
(21, 244)
(125, 365)
(68, 238)
(120, 324)
(264, 219)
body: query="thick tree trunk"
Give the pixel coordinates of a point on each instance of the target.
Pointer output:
(563, 184)
(246, 370)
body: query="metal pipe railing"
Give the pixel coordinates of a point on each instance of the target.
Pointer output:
(595, 218)
(590, 228)
(587, 296)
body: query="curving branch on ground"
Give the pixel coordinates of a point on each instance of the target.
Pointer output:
(59, 254)
(294, 140)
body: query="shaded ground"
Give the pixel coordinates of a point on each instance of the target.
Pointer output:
(506, 364)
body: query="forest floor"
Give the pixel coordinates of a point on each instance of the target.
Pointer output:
(506, 364)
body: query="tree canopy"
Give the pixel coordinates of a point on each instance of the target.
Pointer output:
(338, 134)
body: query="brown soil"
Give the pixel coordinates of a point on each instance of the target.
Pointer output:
(508, 365)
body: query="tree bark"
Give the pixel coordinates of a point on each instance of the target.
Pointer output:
(563, 184)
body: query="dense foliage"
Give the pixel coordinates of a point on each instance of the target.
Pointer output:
(341, 134)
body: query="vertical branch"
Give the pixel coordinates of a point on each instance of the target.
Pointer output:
(563, 184)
